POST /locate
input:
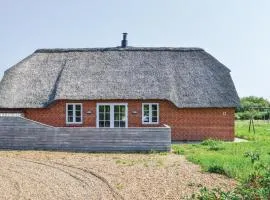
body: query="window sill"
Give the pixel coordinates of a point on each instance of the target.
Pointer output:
(150, 123)
(74, 123)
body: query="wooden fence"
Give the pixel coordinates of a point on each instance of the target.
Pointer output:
(20, 133)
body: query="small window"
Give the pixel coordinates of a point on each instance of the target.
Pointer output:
(74, 113)
(150, 113)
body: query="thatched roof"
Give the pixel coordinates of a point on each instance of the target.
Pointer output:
(188, 77)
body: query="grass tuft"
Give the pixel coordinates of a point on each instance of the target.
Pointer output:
(215, 168)
(210, 142)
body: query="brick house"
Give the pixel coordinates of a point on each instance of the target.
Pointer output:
(124, 87)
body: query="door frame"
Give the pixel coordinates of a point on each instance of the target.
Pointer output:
(111, 114)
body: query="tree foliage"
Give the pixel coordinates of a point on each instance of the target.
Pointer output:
(253, 107)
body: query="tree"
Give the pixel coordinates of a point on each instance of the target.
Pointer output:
(253, 107)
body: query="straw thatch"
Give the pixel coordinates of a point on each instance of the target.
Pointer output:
(188, 77)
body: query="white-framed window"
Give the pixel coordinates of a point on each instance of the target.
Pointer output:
(112, 115)
(150, 113)
(74, 113)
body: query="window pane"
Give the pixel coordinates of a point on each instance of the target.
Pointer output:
(78, 113)
(146, 119)
(70, 107)
(154, 106)
(101, 108)
(116, 116)
(116, 124)
(122, 108)
(101, 123)
(154, 119)
(101, 116)
(154, 113)
(123, 117)
(146, 113)
(122, 124)
(116, 108)
(78, 119)
(107, 108)
(107, 123)
(107, 116)
(146, 107)
(70, 119)
(78, 107)
(70, 113)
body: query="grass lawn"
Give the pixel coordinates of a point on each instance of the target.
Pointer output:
(227, 157)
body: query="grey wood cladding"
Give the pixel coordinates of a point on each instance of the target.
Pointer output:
(20, 133)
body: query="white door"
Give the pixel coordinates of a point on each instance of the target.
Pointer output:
(112, 115)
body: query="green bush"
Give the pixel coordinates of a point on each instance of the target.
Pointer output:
(244, 115)
(216, 169)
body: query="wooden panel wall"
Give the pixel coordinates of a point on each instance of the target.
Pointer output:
(21, 133)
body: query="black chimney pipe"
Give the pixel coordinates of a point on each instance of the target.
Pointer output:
(124, 42)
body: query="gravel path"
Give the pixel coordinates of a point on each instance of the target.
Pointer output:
(60, 175)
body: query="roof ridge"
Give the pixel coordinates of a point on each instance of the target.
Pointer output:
(65, 50)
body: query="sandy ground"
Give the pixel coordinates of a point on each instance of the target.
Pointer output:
(60, 175)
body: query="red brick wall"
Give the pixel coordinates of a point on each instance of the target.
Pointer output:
(186, 124)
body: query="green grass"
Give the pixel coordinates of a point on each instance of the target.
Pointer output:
(262, 130)
(229, 158)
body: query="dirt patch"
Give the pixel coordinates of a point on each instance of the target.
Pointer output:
(59, 175)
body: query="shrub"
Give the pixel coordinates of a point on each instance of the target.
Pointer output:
(216, 169)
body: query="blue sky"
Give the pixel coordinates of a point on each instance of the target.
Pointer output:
(236, 32)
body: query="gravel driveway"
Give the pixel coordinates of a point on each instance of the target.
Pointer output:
(61, 175)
